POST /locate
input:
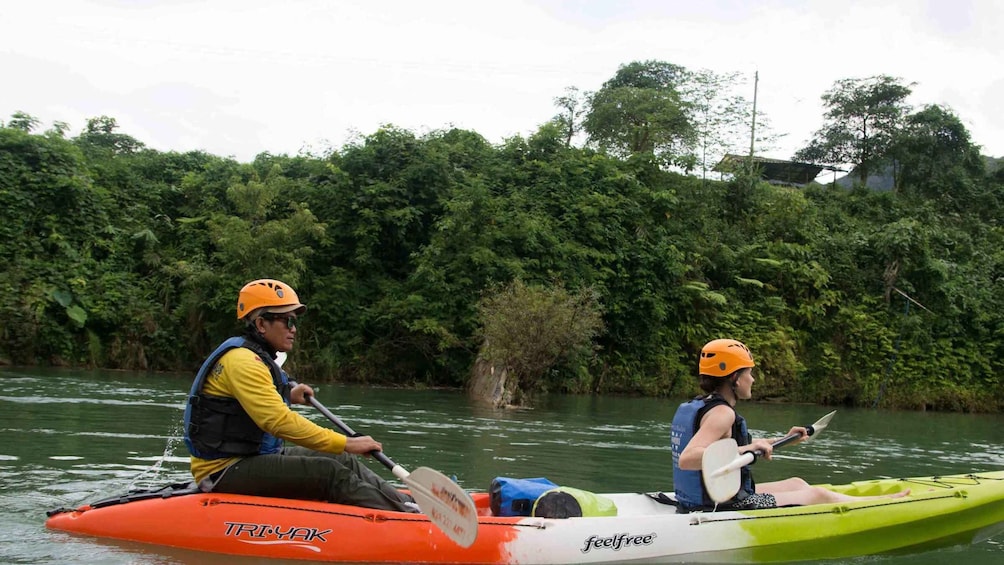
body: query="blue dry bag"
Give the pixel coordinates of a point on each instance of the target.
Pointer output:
(515, 497)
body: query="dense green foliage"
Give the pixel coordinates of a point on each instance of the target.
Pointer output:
(116, 255)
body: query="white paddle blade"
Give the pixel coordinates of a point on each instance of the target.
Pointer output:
(721, 482)
(448, 506)
(820, 425)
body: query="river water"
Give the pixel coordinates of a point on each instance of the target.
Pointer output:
(71, 437)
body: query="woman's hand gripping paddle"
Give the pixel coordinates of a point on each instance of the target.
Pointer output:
(446, 504)
(721, 462)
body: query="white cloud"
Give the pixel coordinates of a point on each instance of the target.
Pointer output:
(242, 77)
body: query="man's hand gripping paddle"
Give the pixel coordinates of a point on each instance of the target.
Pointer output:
(446, 504)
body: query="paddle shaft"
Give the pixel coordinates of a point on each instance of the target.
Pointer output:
(376, 454)
(788, 439)
(809, 430)
(750, 456)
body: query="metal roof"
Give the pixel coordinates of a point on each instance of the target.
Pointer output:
(772, 170)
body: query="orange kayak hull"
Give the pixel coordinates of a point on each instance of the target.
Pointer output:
(288, 529)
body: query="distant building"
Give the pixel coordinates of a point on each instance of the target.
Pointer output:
(774, 171)
(793, 173)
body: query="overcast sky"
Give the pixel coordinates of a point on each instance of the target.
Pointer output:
(239, 77)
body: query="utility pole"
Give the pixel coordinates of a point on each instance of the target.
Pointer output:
(756, 82)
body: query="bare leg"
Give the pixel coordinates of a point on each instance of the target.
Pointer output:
(818, 495)
(787, 485)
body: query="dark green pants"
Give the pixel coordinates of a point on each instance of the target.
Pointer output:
(298, 472)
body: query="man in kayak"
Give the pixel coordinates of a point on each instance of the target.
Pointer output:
(238, 416)
(726, 369)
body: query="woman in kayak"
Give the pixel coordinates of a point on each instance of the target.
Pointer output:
(726, 370)
(238, 415)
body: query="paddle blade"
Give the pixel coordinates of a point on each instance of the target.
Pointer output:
(445, 503)
(820, 425)
(721, 482)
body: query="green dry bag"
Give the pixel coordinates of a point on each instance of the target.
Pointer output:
(568, 502)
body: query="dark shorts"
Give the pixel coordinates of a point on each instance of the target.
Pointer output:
(755, 501)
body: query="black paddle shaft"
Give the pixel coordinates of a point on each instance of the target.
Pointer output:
(377, 454)
(809, 430)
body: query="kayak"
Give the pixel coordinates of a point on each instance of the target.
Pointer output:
(939, 511)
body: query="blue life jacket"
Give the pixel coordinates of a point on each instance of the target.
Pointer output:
(218, 427)
(689, 485)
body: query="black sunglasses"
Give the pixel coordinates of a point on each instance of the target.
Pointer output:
(290, 320)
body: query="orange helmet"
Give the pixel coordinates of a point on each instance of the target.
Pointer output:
(275, 295)
(722, 357)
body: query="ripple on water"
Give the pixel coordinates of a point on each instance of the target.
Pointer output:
(107, 401)
(163, 458)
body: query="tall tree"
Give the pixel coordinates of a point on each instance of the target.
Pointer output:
(642, 110)
(861, 120)
(721, 117)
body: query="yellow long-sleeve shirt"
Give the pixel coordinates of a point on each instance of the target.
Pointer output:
(241, 374)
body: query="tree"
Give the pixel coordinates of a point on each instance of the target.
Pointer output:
(100, 133)
(721, 117)
(22, 121)
(861, 120)
(934, 155)
(53, 223)
(642, 110)
(530, 330)
(255, 230)
(573, 106)
(58, 129)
